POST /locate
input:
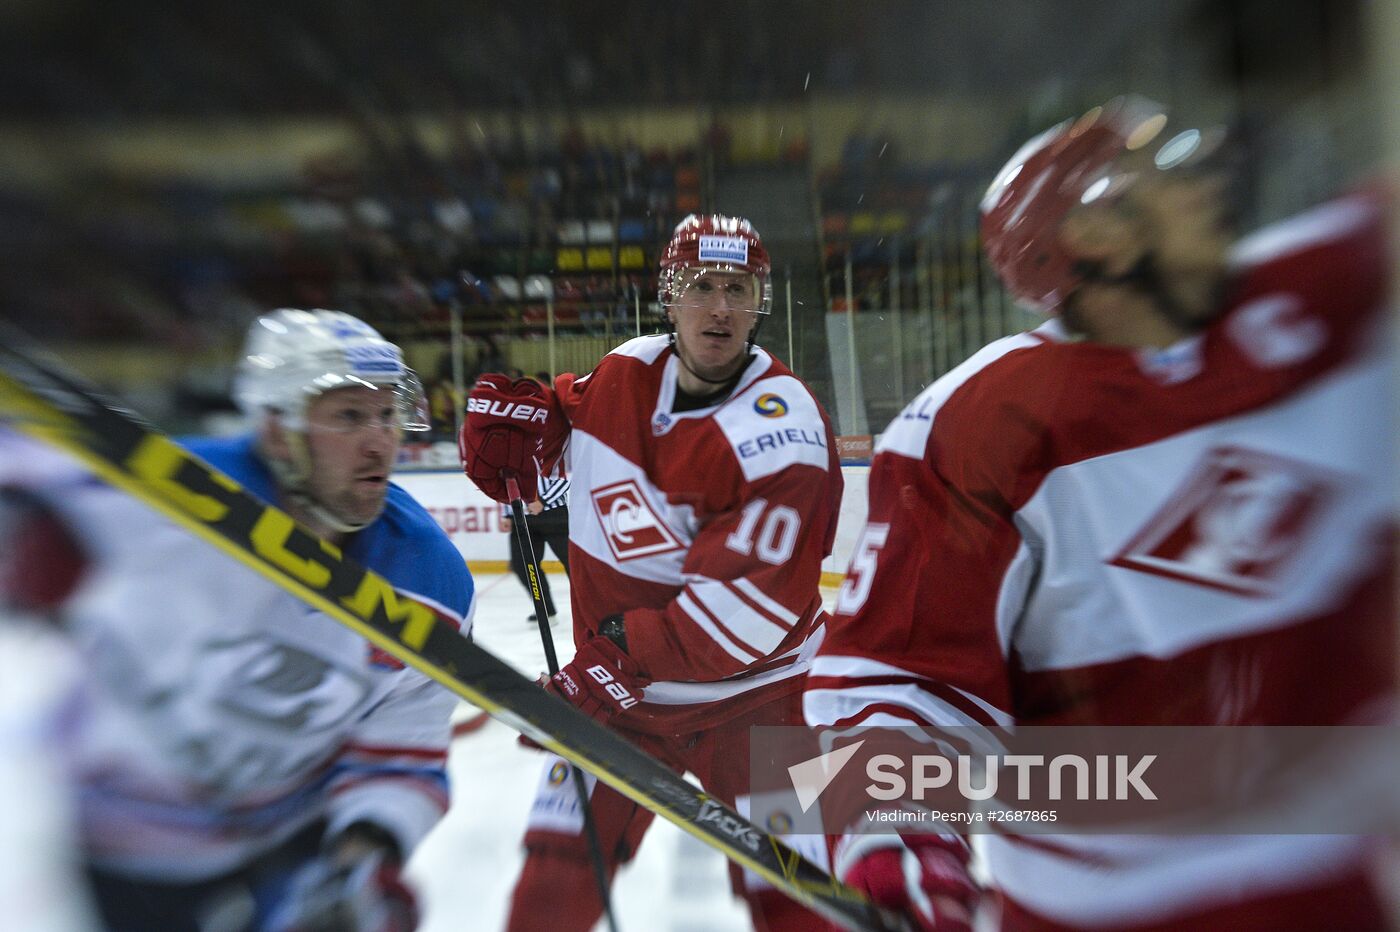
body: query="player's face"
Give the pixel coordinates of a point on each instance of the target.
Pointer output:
(352, 436)
(714, 313)
(1178, 220)
(1186, 219)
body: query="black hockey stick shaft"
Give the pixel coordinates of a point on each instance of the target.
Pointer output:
(526, 547)
(39, 399)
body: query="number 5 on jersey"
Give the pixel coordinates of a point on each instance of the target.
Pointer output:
(856, 587)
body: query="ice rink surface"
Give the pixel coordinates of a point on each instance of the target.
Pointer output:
(466, 868)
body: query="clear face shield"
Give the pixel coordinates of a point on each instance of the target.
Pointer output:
(716, 288)
(1157, 151)
(400, 405)
(1161, 215)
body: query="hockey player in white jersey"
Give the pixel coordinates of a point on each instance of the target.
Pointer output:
(41, 885)
(244, 761)
(704, 496)
(1170, 504)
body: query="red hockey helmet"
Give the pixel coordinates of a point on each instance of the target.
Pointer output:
(1075, 163)
(714, 241)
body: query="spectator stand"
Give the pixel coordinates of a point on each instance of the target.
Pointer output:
(909, 293)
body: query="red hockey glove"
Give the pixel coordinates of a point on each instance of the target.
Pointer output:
(601, 680)
(501, 435)
(926, 878)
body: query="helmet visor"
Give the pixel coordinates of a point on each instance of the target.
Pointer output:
(716, 287)
(1155, 149)
(406, 402)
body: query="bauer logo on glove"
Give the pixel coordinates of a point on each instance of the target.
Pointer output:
(601, 682)
(625, 700)
(516, 412)
(501, 435)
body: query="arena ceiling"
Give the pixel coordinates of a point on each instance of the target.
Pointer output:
(77, 59)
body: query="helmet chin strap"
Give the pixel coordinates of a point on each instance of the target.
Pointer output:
(324, 515)
(1146, 277)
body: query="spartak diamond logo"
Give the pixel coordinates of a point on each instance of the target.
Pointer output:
(1235, 525)
(632, 528)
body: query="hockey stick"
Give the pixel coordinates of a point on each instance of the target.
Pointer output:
(551, 660)
(36, 399)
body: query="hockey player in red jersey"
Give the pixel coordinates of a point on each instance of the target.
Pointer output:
(1170, 504)
(705, 490)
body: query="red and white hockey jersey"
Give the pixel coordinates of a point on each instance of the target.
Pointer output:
(706, 529)
(1065, 532)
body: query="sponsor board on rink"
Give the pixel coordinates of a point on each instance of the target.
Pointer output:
(858, 447)
(425, 456)
(632, 528)
(1236, 524)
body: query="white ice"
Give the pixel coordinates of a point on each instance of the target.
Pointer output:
(465, 870)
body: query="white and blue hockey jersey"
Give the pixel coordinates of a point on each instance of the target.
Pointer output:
(224, 714)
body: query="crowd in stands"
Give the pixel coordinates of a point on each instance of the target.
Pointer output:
(496, 231)
(892, 221)
(501, 232)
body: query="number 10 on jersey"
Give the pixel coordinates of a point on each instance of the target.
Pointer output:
(775, 539)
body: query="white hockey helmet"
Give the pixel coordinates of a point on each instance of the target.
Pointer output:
(291, 356)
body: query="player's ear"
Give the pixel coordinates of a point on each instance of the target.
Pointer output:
(272, 437)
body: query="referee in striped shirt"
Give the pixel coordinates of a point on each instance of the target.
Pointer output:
(548, 523)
